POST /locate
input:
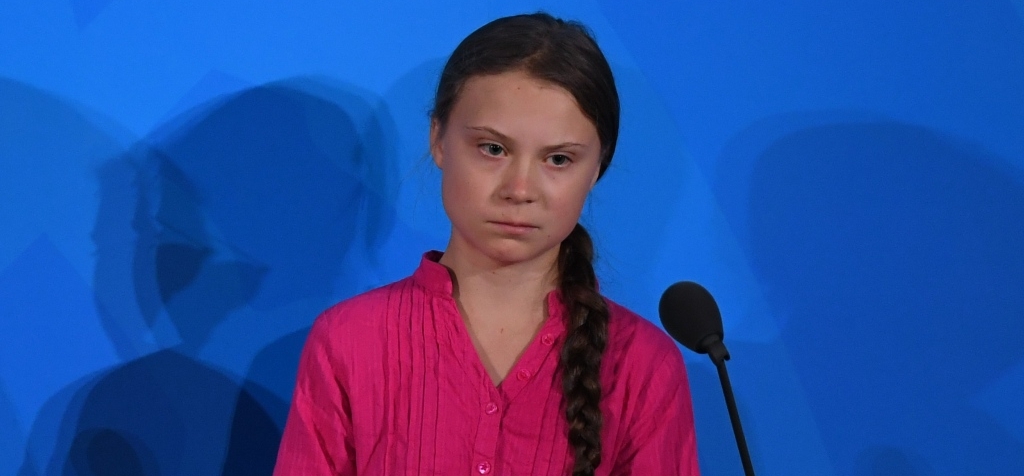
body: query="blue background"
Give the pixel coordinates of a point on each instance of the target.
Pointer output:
(184, 187)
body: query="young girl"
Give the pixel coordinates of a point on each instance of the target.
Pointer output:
(499, 356)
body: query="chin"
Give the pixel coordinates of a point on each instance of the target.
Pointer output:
(516, 253)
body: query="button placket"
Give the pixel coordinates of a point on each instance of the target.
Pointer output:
(488, 427)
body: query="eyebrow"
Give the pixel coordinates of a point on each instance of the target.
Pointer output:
(508, 140)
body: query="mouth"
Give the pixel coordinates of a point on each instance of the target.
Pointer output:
(514, 227)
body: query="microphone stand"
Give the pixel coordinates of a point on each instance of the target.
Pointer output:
(716, 350)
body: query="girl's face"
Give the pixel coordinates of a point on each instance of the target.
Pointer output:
(518, 159)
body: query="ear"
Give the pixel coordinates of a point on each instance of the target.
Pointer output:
(436, 150)
(597, 174)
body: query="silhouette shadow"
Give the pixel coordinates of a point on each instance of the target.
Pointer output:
(232, 225)
(881, 461)
(895, 252)
(47, 316)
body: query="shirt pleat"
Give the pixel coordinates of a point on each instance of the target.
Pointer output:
(432, 394)
(393, 369)
(400, 435)
(551, 429)
(423, 375)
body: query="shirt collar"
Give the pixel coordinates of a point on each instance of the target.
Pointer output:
(433, 275)
(436, 278)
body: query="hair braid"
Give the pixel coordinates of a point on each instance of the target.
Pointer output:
(587, 326)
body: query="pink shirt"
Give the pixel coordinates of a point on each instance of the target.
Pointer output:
(390, 383)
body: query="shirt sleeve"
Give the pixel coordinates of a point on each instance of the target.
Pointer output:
(662, 438)
(317, 437)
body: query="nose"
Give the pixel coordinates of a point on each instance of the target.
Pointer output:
(518, 183)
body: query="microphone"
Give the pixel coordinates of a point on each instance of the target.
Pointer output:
(691, 316)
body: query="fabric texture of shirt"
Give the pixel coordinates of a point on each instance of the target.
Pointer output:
(389, 383)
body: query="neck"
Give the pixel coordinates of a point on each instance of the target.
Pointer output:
(482, 286)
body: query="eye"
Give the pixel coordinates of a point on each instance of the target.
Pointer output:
(492, 149)
(559, 160)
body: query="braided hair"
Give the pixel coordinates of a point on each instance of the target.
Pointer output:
(563, 53)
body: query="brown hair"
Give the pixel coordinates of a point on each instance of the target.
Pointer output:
(563, 53)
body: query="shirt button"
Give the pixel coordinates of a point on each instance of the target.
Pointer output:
(483, 468)
(490, 408)
(523, 374)
(548, 339)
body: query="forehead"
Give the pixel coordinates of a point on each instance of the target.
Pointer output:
(517, 103)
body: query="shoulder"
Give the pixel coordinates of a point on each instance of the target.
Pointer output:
(630, 332)
(370, 302)
(364, 315)
(647, 399)
(637, 348)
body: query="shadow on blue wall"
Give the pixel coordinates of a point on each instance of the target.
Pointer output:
(891, 461)
(892, 255)
(51, 331)
(250, 213)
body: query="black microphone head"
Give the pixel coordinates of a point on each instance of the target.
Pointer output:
(689, 314)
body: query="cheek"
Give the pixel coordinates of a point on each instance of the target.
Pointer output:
(570, 205)
(460, 189)
(451, 196)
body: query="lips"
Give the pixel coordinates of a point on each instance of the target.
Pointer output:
(514, 223)
(514, 227)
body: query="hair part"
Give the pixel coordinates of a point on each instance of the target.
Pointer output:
(565, 54)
